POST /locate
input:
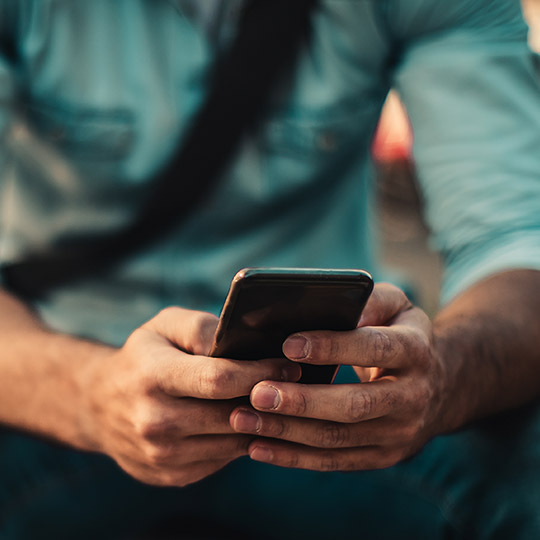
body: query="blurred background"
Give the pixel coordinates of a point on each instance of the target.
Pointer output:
(405, 249)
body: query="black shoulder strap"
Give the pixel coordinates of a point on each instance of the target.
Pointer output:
(8, 25)
(269, 37)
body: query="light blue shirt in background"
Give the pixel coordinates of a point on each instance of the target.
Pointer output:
(98, 93)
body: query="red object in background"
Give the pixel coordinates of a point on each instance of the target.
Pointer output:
(393, 139)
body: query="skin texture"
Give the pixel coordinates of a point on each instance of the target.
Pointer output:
(169, 415)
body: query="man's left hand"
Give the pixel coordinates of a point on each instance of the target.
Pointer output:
(374, 424)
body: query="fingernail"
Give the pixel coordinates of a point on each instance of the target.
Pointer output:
(247, 421)
(296, 347)
(260, 453)
(265, 397)
(291, 372)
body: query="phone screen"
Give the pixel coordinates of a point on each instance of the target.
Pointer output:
(266, 305)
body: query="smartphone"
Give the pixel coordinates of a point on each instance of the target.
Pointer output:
(266, 305)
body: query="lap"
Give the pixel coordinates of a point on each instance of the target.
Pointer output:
(483, 482)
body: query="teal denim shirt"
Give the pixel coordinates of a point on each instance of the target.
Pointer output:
(97, 94)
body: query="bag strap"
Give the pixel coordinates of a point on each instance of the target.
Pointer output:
(268, 40)
(8, 25)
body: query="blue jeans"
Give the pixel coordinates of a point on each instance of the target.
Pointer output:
(482, 482)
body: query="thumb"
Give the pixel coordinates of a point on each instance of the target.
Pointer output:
(191, 331)
(386, 302)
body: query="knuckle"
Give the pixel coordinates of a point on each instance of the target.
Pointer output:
(146, 384)
(399, 294)
(359, 406)
(292, 460)
(403, 298)
(214, 380)
(276, 427)
(149, 431)
(169, 312)
(139, 348)
(332, 435)
(400, 454)
(296, 403)
(410, 432)
(146, 431)
(168, 479)
(391, 289)
(390, 458)
(152, 423)
(418, 428)
(136, 337)
(157, 454)
(323, 349)
(199, 322)
(377, 305)
(146, 427)
(420, 347)
(328, 462)
(267, 369)
(165, 316)
(144, 381)
(201, 331)
(380, 346)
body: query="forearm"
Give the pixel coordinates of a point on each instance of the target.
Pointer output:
(43, 376)
(488, 341)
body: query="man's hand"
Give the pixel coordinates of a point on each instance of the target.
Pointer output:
(160, 407)
(369, 425)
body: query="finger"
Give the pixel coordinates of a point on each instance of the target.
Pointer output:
(346, 403)
(193, 473)
(413, 318)
(182, 375)
(394, 347)
(176, 418)
(195, 450)
(316, 433)
(191, 331)
(296, 456)
(384, 303)
(162, 476)
(212, 416)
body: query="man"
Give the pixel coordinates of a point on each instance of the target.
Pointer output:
(94, 99)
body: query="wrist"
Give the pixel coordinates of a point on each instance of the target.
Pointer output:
(451, 409)
(89, 382)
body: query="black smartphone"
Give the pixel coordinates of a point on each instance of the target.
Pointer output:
(266, 305)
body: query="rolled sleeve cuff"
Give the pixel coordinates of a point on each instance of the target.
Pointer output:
(518, 250)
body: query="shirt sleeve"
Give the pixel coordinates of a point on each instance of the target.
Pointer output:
(471, 86)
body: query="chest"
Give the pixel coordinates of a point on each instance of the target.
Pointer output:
(106, 77)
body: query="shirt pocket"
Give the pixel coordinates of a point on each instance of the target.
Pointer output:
(299, 148)
(70, 171)
(85, 136)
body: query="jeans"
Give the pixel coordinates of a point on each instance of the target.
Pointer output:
(482, 482)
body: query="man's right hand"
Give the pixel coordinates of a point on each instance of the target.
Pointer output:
(160, 407)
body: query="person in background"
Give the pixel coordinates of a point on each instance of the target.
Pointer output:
(115, 421)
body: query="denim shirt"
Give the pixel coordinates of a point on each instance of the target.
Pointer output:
(95, 96)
